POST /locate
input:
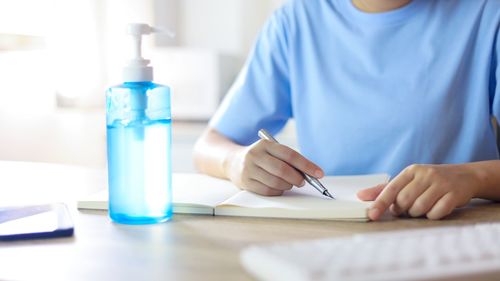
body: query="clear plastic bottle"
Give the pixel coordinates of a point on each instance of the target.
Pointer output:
(138, 121)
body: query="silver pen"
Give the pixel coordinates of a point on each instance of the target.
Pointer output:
(263, 134)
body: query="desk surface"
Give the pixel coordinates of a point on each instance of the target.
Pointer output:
(187, 248)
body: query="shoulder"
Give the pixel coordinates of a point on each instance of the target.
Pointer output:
(493, 8)
(490, 12)
(493, 4)
(488, 6)
(484, 14)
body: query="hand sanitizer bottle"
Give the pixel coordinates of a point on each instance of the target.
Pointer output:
(138, 123)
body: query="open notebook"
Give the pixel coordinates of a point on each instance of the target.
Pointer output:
(200, 194)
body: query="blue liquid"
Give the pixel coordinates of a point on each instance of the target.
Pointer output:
(139, 171)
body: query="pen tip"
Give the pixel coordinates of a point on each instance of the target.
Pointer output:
(326, 193)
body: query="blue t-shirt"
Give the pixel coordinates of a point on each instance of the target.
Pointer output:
(373, 92)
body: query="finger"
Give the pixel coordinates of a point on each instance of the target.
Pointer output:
(262, 189)
(280, 169)
(269, 180)
(371, 193)
(396, 211)
(295, 159)
(388, 195)
(443, 207)
(407, 196)
(426, 201)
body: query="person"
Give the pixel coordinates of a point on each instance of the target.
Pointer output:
(398, 86)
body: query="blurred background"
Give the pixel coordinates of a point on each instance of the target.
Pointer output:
(57, 57)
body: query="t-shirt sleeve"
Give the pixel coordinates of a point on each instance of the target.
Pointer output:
(495, 80)
(260, 96)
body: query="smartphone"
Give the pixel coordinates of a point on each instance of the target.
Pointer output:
(35, 222)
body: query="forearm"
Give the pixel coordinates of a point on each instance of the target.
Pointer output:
(488, 174)
(213, 152)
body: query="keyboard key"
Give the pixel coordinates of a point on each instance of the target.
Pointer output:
(398, 255)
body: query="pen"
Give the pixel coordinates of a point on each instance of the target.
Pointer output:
(263, 134)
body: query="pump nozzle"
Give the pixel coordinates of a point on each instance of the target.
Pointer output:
(138, 69)
(144, 29)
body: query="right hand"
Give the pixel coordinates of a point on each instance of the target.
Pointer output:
(267, 168)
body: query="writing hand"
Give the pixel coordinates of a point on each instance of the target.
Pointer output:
(267, 168)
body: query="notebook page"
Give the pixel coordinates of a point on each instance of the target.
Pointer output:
(198, 189)
(189, 191)
(306, 202)
(343, 188)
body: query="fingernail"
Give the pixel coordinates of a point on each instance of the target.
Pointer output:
(302, 183)
(318, 174)
(374, 213)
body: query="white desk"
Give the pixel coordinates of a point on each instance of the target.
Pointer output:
(186, 248)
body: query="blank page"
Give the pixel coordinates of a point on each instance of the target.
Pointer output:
(202, 190)
(307, 202)
(343, 188)
(189, 190)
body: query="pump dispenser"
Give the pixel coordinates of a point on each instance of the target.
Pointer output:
(138, 119)
(138, 69)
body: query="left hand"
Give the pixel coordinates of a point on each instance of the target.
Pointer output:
(430, 190)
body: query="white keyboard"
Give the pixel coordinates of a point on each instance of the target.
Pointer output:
(422, 254)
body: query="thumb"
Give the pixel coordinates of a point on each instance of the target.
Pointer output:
(371, 193)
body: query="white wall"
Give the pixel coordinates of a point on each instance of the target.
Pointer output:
(31, 129)
(229, 26)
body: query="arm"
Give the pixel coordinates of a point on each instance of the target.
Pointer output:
(435, 190)
(264, 167)
(260, 98)
(489, 184)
